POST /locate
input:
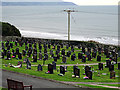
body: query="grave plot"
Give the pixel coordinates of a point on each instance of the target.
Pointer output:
(97, 75)
(27, 52)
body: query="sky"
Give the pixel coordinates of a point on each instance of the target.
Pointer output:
(78, 2)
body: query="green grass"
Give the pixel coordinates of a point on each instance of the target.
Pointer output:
(3, 88)
(97, 87)
(68, 75)
(116, 85)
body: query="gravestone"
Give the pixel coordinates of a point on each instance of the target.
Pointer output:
(83, 59)
(62, 70)
(39, 68)
(17, 51)
(40, 56)
(111, 67)
(54, 65)
(58, 56)
(68, 54)
(11, 45)
(50, 69)
(87, 68)
(77, 72)
(8, 55)
(89, 57)
(93, 54)
(64, 59)
(55, 59)
(98, 58)
(118, 66)
(34, 57)
(89, 74)
(108, 63)
(73, 57)
(19, 56)
(63, 52)
(100, 66)
(112, 74)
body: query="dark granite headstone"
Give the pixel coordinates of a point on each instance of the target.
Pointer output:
(80, 55)
(39, 68)
(17, 51)
(118, 66)
(62, 70)
(98, 58)
(54, 65)
(55, 59)
(50, 68)
(40, 56)
(108, 63)
(20, 56)
(100, 66)
(64, 59)
(111, 67)
(112, 74)
(87, 68)
(83, 59)
(77, 72)
(20, 63)
(89, 74)
(34, 57)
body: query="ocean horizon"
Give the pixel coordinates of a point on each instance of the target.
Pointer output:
(97, 23)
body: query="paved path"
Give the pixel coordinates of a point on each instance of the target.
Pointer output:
(37, 83)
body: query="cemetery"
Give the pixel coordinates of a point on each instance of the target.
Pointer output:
(62, 60)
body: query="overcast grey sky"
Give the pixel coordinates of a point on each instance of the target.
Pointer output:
(31, 0)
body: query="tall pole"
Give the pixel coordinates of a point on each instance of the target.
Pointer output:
(69, 11)
(68, 26)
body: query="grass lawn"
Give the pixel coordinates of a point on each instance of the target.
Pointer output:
(116, 85)
(97, 87)
(68, 75)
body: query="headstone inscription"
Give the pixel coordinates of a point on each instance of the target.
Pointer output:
(100, 66)
(39, 68)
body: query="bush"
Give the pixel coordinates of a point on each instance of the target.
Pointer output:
(9, 30)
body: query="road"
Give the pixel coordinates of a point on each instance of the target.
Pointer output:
(35, 82)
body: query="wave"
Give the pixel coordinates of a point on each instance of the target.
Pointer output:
(105, 40)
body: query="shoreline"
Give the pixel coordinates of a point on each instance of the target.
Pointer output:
(59, 40)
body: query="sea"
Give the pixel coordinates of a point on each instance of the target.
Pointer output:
(97, 23)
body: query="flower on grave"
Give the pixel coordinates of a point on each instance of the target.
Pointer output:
(85, 77)
(77, 76)
(13, 56)
(48, 71)
(73, 75)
